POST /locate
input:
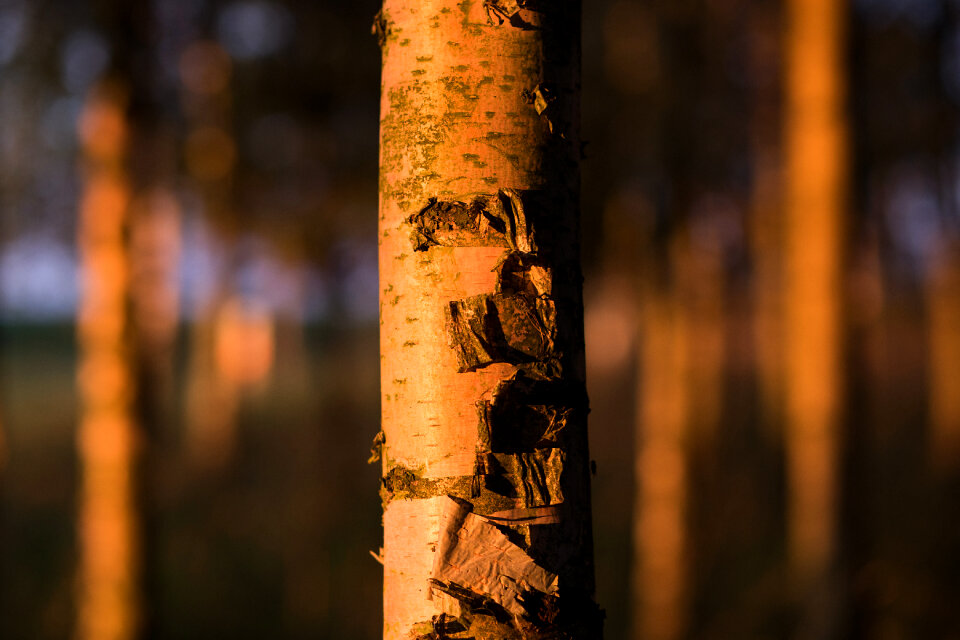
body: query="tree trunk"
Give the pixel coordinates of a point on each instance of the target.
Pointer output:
(660, 536)
(484, 441)
(128, 239)
(815, 196)
(108, 606)
(212, 400)
(943, 336)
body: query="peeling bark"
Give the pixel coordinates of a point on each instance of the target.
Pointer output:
(485, 221)
(484, 402)
(501, 10)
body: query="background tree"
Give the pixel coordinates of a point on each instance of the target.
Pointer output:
(127, 237)
(109, 588)
(815, 197)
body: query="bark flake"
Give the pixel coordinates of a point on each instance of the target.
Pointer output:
(380, 28)
(496, 327)
(376, 449)
(493, 220)
(543, 98)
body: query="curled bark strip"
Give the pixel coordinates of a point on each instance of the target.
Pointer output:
(524, 427)
(376, 449)
(475, 555)
(524, 273)
(443, 625)
(380, 28)
(543, 99)
(500, 328)
(536, 475)
(457, 224)
(510, 208)
(468, 333)
(486, 220)
(527, 412)
(501, 10)
(471, 602)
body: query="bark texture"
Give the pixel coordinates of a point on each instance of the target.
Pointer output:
(484, 446)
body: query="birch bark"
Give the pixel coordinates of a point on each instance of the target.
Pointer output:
(482, 374)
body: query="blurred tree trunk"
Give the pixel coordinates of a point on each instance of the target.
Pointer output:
(212, 401)
(109, 594)
(660, 540)
(814, 209)
(128, 241)
(943, 335)
(484, 447)
(682, 342)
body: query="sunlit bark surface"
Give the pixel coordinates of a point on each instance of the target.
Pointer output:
(815, 194)
(108, 600)
(481, 316)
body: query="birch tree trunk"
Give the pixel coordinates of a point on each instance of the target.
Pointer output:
(485, 484)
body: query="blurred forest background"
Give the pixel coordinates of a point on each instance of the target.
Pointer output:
(188, 286)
